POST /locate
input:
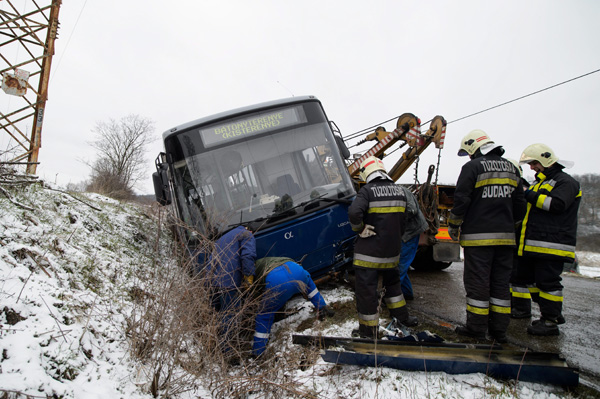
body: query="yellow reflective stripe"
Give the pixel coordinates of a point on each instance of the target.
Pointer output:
(370, 323)
(368, 319)
(534, 290)
(547, 187)
(579, 194)
(523, 227)
(475, 310)
(549, 251)
(374, 265)
(550, 297)
(475, 243)
(517, 294)
(388, 209)
(499, 309)
(497, 181)
(396, 305)
(357, 227)
(540, 201)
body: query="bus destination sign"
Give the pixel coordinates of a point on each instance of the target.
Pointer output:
(255, 124)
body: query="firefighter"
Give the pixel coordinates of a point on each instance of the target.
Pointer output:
(279, 280)
(547, 240)
(487, 202)
(378, 214)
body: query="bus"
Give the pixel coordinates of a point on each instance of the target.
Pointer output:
(277, 168)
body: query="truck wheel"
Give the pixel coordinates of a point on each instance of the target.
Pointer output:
(424, 261)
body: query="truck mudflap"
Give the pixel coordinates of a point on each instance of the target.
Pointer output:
(444, 251)
(451, 358)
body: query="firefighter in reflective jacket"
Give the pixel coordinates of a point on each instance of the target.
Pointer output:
(548, 238)
(488, 201)
(378, 214)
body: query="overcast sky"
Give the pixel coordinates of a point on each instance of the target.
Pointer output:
(367, 62)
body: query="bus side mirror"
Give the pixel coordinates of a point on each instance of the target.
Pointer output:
(160, 179)
(342, 147)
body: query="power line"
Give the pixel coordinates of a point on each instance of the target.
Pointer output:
(68, 41)
(527, 95)
(353, 135)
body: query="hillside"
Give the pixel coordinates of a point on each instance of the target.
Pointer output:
(68, 268)
(95, 304)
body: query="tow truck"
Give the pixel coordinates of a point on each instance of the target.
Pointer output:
(436, 249)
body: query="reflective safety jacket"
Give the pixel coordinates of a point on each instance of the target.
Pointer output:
(382, 204)
(550, 226)
(488, 201)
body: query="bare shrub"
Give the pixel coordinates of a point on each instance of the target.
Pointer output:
(178, 336)
(107, 183)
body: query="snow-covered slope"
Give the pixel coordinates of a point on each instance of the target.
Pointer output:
(66, 269)
(69, 268)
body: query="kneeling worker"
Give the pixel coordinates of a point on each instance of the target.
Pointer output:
(282, 278)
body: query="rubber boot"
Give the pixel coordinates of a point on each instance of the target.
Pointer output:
(365, 332)
(467, 332)
(543, 327)
(409, 321)
(559, 320)
(498, 336)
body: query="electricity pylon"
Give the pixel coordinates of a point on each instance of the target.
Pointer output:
(27, 35)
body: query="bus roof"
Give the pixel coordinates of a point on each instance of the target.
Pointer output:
(237, 111)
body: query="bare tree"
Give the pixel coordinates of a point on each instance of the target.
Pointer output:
(120, 162)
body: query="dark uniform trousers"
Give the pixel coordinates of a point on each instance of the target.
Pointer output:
(538, 279)
(487, 283)
(367, 299)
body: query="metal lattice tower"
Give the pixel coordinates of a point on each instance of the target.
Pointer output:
(27, 35)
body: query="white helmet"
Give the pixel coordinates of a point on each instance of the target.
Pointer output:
(517, 165)
(370, 165)
(539, 152)
(475, 140)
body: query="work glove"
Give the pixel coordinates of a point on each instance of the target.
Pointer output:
(453, 232)
(326, 311)
(368, 231)
(247, 282)
(530, 196)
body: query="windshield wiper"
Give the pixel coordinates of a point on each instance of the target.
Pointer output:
(292, 211)
(322, 198)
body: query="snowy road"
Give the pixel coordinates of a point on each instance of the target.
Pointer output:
(440, 299)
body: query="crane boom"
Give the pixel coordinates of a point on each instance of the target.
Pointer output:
(407, 127)
(435, 134)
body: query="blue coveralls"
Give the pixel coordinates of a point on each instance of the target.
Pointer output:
(281, 284)
(233, 258)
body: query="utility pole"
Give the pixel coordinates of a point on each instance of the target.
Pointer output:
(25, 61)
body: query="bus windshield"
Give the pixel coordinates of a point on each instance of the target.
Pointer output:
(259, 173)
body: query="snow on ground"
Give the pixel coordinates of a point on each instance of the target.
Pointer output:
(63, 294)
(65, 280)
(589, 264)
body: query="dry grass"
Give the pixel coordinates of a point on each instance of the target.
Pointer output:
(178, 337)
